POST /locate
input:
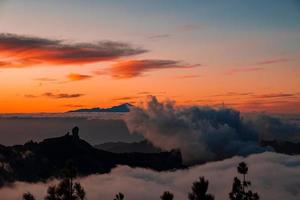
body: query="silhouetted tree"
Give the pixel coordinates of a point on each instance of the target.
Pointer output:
(199, 189)
(28, 196)
(243, 169)
(239, 188)
(70, 173)
(63, 192)
(119, 196)
(66, 189)
(167, 196)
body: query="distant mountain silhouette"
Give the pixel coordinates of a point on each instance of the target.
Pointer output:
(39, 161)
(144, 146)
(284, 147)
(124, 147)
(119, 108)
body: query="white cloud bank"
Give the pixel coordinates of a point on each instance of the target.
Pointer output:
(274, 176)
(204, 133)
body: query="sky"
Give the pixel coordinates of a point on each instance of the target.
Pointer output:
(61, 55)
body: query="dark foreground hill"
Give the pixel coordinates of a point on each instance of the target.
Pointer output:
(285, 147)
(143, 146)
(40, 161)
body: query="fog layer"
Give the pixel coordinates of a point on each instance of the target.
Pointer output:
(274, 176)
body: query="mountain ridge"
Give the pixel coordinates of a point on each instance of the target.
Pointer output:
(40, 161)
(125, 107)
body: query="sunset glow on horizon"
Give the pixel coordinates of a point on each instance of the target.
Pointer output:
(57, 56)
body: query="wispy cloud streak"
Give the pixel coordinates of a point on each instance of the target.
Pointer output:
(134, 68)
(26, 51)
(78, 77)
(62, 95)
(55, 95)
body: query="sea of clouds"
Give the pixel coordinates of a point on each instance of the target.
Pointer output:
(274, 176)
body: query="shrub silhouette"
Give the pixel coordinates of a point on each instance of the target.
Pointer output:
(239, 188)
(199, 189)
(167, 196)
(28, 196)
(119, 196)
(51, 193)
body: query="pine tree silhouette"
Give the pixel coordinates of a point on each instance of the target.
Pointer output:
(119, 196)
(28, 196)
(199, 189)
(239, 188)
(167, 196)
(69, 173)
(66, 189)
(243, 169)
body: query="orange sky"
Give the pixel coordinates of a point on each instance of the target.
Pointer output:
(45, 75)
(55, 63)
